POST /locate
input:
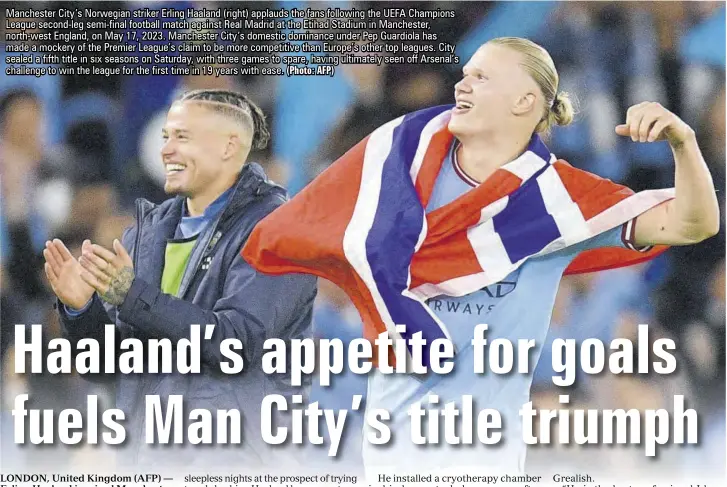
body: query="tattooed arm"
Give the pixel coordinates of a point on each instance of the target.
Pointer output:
(251, 307)
(109, 273)
(90, 316)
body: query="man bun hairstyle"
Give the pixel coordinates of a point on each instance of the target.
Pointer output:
(562, 111)
(237, 106)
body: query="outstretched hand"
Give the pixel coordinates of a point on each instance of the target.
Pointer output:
(109, 273)
(651, 122)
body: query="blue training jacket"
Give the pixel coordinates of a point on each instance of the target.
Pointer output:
(220, 288)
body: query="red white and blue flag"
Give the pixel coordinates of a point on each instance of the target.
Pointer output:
(362, 224)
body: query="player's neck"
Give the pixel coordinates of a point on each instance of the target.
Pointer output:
(481, 156)
(197, 204)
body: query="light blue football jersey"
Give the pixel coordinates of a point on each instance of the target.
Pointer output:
(518, 307)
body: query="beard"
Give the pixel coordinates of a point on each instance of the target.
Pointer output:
(175, 190)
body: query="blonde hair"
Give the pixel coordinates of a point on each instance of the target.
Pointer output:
(558, 108)
(236, 106)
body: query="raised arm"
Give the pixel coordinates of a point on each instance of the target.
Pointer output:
(693, 215)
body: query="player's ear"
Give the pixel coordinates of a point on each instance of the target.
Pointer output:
(232, 146)
(524, 104)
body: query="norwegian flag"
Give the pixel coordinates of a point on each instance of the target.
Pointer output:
(362, 224)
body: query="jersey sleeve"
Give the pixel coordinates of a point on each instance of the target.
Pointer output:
(621, 236)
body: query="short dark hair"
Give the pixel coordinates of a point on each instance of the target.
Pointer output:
(239, 107)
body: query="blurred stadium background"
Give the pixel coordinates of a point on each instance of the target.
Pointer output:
(76, 151)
